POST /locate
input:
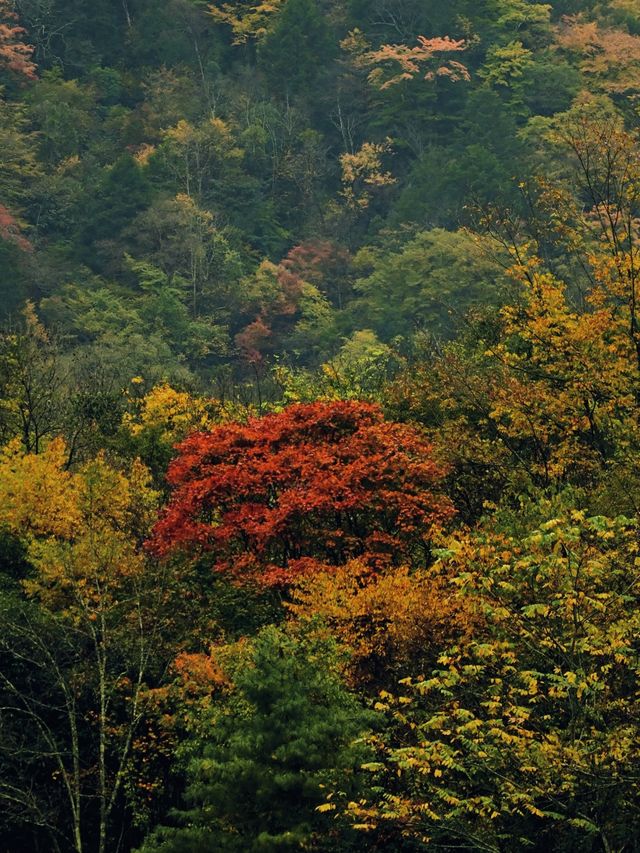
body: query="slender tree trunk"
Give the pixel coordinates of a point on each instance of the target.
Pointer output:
(127, 15)
(102, 746)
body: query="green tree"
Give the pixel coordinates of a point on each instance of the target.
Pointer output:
(122, 192)
(266, 756)
(296, 48)
(428, 283)
(64, 114)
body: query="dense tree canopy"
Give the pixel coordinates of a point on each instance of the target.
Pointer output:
(319, 426)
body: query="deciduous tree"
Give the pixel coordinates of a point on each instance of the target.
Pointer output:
(394, 63)
(314, 484)
(530, 723)
(389, 624)
(84, 634)
(15, 55)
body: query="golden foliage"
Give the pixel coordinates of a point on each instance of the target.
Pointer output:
(38, 496)
(535, 713)
(386, 622)
(83, 530)
(362, 172)
(609, 58)
(248, 21)
(551, 397)
(170, 414)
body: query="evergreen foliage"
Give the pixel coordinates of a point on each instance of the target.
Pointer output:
(269, 753)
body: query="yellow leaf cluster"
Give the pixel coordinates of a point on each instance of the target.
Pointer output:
(83, 529)
(384, 621)
(535, 712)
(38, 495)
(363, 172)
(248, 21)
(170, 413)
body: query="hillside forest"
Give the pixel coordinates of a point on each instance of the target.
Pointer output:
(319, 426)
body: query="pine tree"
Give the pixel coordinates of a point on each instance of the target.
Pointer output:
(273, 751)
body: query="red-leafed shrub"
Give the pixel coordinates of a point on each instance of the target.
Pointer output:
(10, 230)
(315, 485)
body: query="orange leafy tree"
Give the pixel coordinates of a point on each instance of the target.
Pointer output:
(15, 55)
(312, 486)
(395, 63)
(608, 57)
(11, 229)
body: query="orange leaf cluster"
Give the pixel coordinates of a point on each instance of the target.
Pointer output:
(387, 622)
(11, 231)
(15, 56)
(610, 57)
(408, 61)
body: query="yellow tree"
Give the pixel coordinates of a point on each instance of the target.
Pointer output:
(530, 727)
(248, 21)
(547, 391)
(197, 154)
(169, 413)
(363, 173)
(571, 346)
(79, 642)
(156, 421)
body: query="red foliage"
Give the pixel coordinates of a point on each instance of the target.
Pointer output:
(15, 56)
(291, 493)
(319, 263)
(253, 340)
(315, 261)
(10, 230)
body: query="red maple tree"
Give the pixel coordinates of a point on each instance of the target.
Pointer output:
(313, 486)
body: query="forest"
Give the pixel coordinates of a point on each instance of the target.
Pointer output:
(319, 426)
